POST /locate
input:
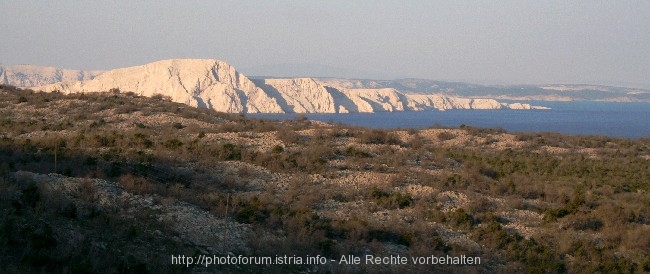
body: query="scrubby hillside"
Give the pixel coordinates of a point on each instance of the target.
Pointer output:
(115, 182)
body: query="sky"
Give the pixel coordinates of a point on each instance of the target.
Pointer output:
(493, 42)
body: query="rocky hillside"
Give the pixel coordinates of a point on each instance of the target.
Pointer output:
(216, 85)
(200, 83)
(551, 92)
(118, 183)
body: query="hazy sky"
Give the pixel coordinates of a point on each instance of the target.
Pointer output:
(481, 41)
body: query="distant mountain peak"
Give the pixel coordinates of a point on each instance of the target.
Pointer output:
(31, 75)
(205, 83)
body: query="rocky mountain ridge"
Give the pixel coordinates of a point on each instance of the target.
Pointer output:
(549, 92)
(216, 85)
(30, 75)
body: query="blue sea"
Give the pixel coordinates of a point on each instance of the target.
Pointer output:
(614, 119)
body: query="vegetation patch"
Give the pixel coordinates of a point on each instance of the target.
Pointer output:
(547, 203)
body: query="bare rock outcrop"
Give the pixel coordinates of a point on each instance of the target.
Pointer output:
(216, 85)
(192, 224)
(196, 82)
(30, 75)
(300, 95)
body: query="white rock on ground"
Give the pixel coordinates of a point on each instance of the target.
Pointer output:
(192, 224)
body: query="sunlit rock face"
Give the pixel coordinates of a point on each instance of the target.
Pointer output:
(216, 85)
(196, 82)
(31, 76)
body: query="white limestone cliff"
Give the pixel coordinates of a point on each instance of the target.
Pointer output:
(377, 100)
(300, 95)
(30, 75)
(523, 106)
(216, 85)
(196, 82)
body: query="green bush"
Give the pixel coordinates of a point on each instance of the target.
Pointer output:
(445, 136)
(229, 152)
(379, 137)
(391, 200)
(172, 143)
(277, 149)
